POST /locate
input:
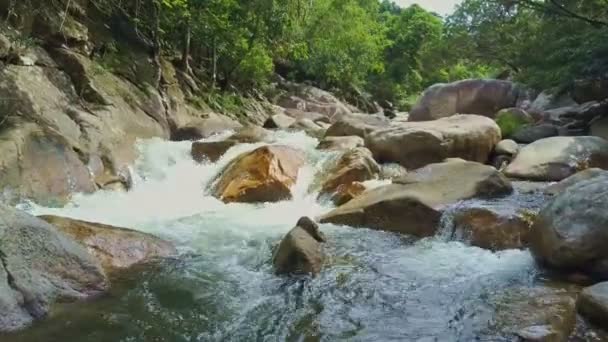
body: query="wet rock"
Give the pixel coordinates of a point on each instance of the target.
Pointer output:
(251, 134)
(570, 231)
(347, 192)
(492, 229)
(300, 251)
(530, 134)
(279, 121)
(38, 267)
(482, 97)
(356, 165)
(506, 147)
(309, 127)
(204, 128)
(416, 144)
(263, 175)
(593, 303)
(510, 120)
(414, 204)
(578, 177)
(340, 143)
(392, 171)
(554, 159)
(357, 124)
(599, 128)
(540, 333)
(114, 247)
(210, 150)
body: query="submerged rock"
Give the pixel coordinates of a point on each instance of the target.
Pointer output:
(570, 233)
(340, 143)
(114, 247)
(416, 144)
(263, 175)
(300, 251)
(210, 150)
(39, 266)
(593, 303)
(414, 204)
(554, 159)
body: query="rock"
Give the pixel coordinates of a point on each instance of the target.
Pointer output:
(593, 303)
(251, 134)
(40, 266)
(482, 97)
(210, 150)
(279, 121)
(357, 124)
(595, 89)
(347, 192)
(340, 143)
(263, 175)
(416, 144)
(392, 171)
(554, 159)
(570, 231)
(356, 165)
(501, 161)
(309, 127)
(599, 127)
(511, 120)
(546, 101)
(414, 205)
(5, 46)
(204, 128)
(300, 251)
(301, 115)
(507, 147)
(539, 333)
(558, 188)
(115, 248)
(311, 99)
(530, 134)
(492, 229)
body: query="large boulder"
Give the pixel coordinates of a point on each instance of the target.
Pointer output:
(115, 248)
(212, 151)
(482, 97)
(554, 159)
(347, 192)
(506, 147)
(300, 251)
(415, 144)
(204, 128)
(266, 174)
(341, 143)
(570, 233)
(279, 121)
(511, 119)
(356, 165)
(357, 124)
(531, 133)
(39, 266)
(311, 99)
(557, 188)
(414, 204)
(593, 303)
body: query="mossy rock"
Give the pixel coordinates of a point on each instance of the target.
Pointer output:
(512, 119)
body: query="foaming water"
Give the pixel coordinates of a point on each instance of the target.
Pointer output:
(376, 286)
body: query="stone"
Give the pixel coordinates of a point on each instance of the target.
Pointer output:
(532, 133)
(279, 121)
(539, 333)
(300, 251)
(356, 165)
(266, 174)
(347, 192)
(593, 303)
(501, 161)
(591, 89)
(557, 188)
(492, 229)
(212, 151)
(115, 248)
(204, 128)
(507, 147)
(357, 124)
(301, 115)
(416, 144)
(309, 127)
(414, 204)
(251, 134)
(553, 159)
(599, 127)
(392, 171)
(512, 119)
(340, 143)
(570, 232)
(482, 97)
(40, 266)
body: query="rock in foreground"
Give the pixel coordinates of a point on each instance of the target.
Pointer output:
(114, 247)
(300, 251)
(416, 144)
(554, 159)
(40, 266)
(414, 204)
(263, 175)
(593, 303)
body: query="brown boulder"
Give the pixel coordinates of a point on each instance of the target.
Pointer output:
(340, 143)
(482, 97)
(414, 205)
(114, 247)
(416, 144)
(263, 175)
(356, 165)
(210, 150)
(300, 251)
(347, 192)
(492, 229)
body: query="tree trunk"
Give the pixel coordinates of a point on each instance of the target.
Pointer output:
(186, 50)
(156, 48)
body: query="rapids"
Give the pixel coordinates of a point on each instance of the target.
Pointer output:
(377, 287)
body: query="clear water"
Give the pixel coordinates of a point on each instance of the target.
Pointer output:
(377, 286)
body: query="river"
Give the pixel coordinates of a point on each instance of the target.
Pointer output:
(377, 286)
